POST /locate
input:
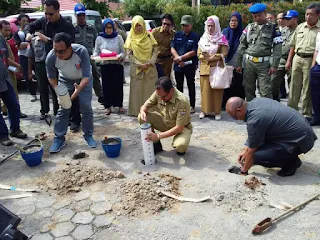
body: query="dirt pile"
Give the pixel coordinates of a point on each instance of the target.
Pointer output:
(142, 196)
(253, 183)
(76, 175)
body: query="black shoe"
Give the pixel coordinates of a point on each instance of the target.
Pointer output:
(34, 98)
(100, 100)
(22, 115)
(74, 127)
(308, 119)
(43, 117)
(5, 113)
(18, 134)
(6, 141)
(157, 147)
(286, 172)
(181, 153)
(314, 122)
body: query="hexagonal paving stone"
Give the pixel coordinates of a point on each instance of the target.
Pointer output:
(64, 238)
(42, 237)
(101, 208)
(45, 201)
(44, 213)
(62, 229)
(98, 197)
(82, 206)
(82, 195)
(103, 221)
(62, 215)
(82, 232)
(61, 203)
(26, 210)
(83, 218)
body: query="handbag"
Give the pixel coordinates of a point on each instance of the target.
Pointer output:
(221, 77)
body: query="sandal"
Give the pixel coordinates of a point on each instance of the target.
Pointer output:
(122, 110)
(108, 111)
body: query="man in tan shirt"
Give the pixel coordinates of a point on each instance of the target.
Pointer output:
(164, 36)
(303, 43)
(168, 111)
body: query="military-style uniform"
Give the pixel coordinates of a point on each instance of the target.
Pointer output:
(164, 49)
(304, 43)
(278, 77)
(257, 43)
(86, 36)
(165, 115)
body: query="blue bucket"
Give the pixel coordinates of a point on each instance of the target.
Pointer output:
(33, 158)
(112, 146)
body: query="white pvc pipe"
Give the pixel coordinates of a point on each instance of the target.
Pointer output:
(148, 152)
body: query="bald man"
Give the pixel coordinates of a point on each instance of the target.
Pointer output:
(277, 134)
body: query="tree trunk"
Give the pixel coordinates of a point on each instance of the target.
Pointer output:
(194, 3)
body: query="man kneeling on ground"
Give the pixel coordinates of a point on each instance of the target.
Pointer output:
(168, 111)
(277, 134)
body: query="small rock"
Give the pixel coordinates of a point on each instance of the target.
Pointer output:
(220, 198)
(103, 221)
(81, 195)
(80, 154)
(83, 218)
(260, 204)
(83, 232)
(62, 229)
(120, 175)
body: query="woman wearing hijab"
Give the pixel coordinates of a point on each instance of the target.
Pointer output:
(213, 48)
(233, 33)
(141, 46)
(111, 71)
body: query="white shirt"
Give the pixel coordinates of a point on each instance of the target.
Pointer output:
(318, 48)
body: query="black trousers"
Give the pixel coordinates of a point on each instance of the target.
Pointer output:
(273, 155)
(236, 88)
(44, 86)
(112, 84)
(315, 90)
(32, 86)
(189, 71)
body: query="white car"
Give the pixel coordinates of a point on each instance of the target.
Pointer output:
(150, 24)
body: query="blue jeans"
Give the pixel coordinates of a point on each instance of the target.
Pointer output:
(9, 98)
(62, 119)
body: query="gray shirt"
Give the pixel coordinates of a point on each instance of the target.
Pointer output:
(86, 36)
(4, 76)
(269, 121)
(75, 68)
(37, 50)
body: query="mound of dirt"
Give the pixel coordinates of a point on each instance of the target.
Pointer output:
(142, 196)
(253, 183)
(76, 175)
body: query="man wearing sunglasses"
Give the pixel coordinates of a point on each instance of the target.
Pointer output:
(73, 64)
(164, 35)
(277, 134)
(168, 111)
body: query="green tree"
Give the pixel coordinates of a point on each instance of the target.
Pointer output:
(8, 7)
(102, 7)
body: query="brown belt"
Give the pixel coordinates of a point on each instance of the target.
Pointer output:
(305, 55)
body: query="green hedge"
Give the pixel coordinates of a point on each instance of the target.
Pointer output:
(223, 12)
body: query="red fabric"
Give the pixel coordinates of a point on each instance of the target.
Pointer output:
(113, 54)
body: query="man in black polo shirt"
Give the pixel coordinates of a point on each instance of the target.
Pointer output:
(184, 49)
(277, 134)
(51, 24)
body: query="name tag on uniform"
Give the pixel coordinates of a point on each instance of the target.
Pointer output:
(277, 40)
(191, 41)
(179, 39)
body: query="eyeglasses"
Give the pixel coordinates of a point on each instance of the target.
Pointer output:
(60, 52)
(49, 14)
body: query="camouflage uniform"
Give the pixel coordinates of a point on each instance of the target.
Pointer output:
(257, 44)
(278, 77)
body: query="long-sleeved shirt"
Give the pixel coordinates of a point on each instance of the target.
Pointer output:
(50, 29)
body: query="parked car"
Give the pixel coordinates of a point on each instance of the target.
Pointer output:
(150, 24)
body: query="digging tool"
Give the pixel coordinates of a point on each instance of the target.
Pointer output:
(41, 136)
(48, 119)
(268, 222)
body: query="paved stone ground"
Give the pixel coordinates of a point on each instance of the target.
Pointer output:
(214, 145)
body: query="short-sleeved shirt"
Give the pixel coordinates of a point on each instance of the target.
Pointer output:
(175, 112)
(75, 68)
(304, 38)
(164, 41)
(37, 50)
(318, 47)
(86, 35)
(286, 34)
(269, 121)
(4, 76)
(184, 43)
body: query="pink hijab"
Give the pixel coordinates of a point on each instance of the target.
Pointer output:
(210, 42)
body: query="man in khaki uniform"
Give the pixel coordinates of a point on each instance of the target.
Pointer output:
(164, 35)
(303, 45)
(168, 111)
(258, 41)
(279, 77)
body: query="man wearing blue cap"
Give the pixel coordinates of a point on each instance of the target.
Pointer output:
(278, 77)
(303, 44)
(258, 41)
(86, 34)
